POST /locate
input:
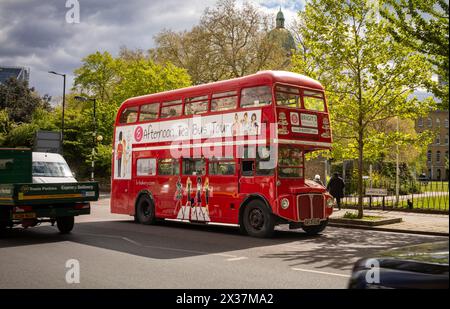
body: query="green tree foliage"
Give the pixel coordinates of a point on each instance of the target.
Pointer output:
(19, 100)
(111, 80)
(369, 76)
(423, 25)
(230, 41)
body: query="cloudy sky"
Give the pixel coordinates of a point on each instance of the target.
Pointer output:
(35, 34)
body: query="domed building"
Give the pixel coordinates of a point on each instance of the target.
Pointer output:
(281, 35)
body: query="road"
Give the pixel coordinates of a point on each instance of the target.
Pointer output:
(115, 252)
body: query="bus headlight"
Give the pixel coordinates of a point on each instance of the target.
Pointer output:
(331, 202)
(285, 203)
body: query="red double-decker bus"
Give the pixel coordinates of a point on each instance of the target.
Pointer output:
(226, 152)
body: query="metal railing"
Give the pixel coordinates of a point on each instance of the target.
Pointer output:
(414, 195)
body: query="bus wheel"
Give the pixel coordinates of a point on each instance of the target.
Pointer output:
(145, 211)
(315, 229)
(65, 224)
(258, 221)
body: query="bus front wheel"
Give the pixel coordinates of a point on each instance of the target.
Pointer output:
(257, 220)
(145, 211)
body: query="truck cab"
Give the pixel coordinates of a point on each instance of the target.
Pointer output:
(50, 168)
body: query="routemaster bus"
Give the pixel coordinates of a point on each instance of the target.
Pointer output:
(230, 152)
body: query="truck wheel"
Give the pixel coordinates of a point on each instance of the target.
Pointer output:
(145, 211)
(65, 224)
(258, 221)
(315, 229)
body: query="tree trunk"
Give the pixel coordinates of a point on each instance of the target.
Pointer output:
(360, 175)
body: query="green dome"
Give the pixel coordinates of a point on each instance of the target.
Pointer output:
(280, 19)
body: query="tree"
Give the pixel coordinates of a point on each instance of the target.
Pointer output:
(19, 100)
(369, 77)
(423, 25)
(230, 41)
(97, 76)
(111, 80)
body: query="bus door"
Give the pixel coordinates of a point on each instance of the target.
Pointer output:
(222, 186)
(256, 172)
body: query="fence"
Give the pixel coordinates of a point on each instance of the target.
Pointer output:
(414, 195)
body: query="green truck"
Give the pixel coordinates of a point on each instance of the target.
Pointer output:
(39, 187)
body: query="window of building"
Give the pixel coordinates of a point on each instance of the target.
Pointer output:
(429, 122)
(196, 105)
(168, 167)
(288, 96)
(438, 156)
(224, 101)
(429, 154)
(171, 109)
(438, 122)
(313, 100)
(438, 174)
(420, 122)
(129, 115)
(446, 139)
(438, 139)
(146, 167)
(446, 122)
(194, 167)
(446, 154)
(256, 96)
(149, 112)
(221, 167)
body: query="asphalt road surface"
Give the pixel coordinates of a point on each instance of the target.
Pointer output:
(115, 252)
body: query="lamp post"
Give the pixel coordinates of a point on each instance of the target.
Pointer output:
(63, 105)
(94, 132)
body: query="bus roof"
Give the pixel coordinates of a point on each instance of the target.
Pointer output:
(262, 77)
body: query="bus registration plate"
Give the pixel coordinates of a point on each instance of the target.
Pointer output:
(313, 221)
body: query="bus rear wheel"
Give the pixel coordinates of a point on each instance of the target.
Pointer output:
(65, 224)
(315, 229)
(257, 220)
(145, 211)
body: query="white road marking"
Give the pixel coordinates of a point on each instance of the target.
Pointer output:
(321, 272)
(237, 258)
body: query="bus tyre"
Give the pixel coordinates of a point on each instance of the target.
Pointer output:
(258, 221)
(145, 211)
(315, 229)
(65, 224)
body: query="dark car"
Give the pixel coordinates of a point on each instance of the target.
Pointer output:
(423, 266)
(423, 179)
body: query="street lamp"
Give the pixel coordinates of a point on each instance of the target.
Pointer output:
(94, 133)
(63, 104)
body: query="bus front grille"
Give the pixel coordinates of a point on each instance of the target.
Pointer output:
(310, 206)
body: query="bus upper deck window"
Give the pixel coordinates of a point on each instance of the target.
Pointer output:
(256, 96)
(129, 115)
(224, 101)
(149, 112)
(171, 109)
(196, 105)
(288, 96)
(313, 100)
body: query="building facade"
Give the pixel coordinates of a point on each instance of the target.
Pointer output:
(20, 73)
(437, 152)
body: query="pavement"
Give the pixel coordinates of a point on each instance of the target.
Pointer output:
(115, 252)
(412, 222)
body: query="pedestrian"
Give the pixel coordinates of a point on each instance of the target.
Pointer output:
(317, 180)
(336, 187)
